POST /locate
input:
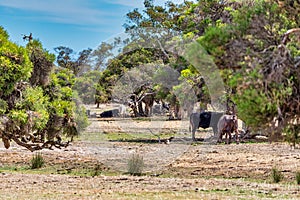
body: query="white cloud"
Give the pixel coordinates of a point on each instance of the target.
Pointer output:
(128, 3)
(140, 3)
(77, 12)
(66, 11)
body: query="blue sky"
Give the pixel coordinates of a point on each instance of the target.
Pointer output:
(77, 24)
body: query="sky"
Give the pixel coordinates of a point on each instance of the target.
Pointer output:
(77, 24)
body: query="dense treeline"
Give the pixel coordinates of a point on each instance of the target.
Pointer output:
(254, 44)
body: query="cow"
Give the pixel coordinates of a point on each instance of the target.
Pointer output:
(228, 124)
(204, 120)
(110, 113)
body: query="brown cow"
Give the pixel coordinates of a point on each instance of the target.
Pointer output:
(227, 125)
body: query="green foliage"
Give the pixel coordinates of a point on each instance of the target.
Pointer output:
(15, 64)
(241, 19)
(67, 93)
(4, 34)
(97, 170)
(102, 95)
(81, 118)
(18, 116)
(101, 54)
(241, 37)
(85, 85)
(253, 99)
(258, 100)
(37, 45)
(35, 100)
(37, 161)
(61, 107)
(276, 175)
(214, 38)
(135, 165)
(292, 132)
(65, 78)
(67, 59)
(3, 106)
(34, 97)
(60, 92)
(260, 106)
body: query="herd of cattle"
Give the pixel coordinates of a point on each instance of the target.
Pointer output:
(221, 124)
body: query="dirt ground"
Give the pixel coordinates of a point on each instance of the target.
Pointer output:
(175, 169)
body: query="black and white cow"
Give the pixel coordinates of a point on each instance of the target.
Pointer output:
(204, 120)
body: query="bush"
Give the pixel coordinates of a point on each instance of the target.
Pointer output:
(298, 177)
(276, 175)
(37, 161)
(135, 165)
(292, 135)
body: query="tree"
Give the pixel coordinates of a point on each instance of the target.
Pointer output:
(42, 64)
(85, 85)
(66, 59)
(266, 87)
(150, 33)
(254, 44)
(101, 54)
(36, 101)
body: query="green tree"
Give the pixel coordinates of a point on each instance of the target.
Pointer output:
(15, 65)
(36, 100)
(101, 54)
(85, 85)
(255, 44)
(266, 83)
(78, 64)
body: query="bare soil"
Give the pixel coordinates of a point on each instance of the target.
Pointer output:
(179, 169)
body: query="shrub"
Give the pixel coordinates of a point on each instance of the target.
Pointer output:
(298, 177)
(276, 175)
(37, 161)
(292, 135)
(135, 165)
(97, 170)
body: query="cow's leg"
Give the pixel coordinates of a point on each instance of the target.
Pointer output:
(229, 138)
(226, 137)
(151, 110)
(236, 136)
(146, 110)
(215, 130)
(193, 128)
(194, 123)
(220, 137)
(193, 135)
(140, 109)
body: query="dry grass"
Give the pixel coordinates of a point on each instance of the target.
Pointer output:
(93, 168)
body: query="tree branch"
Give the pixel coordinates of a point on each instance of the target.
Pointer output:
(288, 33)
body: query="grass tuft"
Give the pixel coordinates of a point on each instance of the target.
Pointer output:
(37, 161)
(298, 177)
(97, 170)
(276, 175)
(135, 165)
